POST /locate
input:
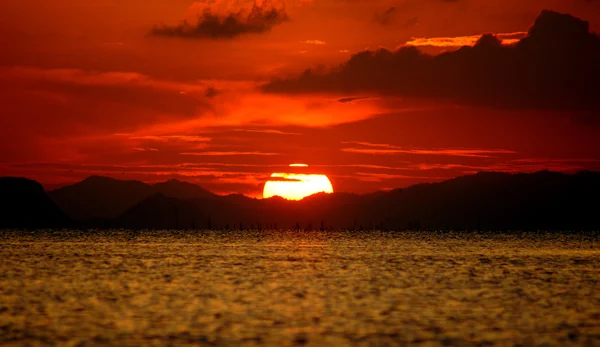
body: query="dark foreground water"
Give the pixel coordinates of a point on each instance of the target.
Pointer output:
(288, 288)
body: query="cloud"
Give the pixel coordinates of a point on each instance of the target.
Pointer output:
(141, 149)
(314, 42)
(211, 92)
(387, 149)
(515, 165)
(69, 89)
(266, 131)
(460, 41)
(352, 99)
(260, 19)
(283, 178)
(386, 17)
(60, 105)
(248, 107)
(379, 177)
(169, 138)
(555, 67)
(232, 153)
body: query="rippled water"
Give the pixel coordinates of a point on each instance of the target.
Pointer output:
(286, 288)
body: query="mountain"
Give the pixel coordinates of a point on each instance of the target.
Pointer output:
(181, 190)
(99, 197)
(488, 200)
(24, 204)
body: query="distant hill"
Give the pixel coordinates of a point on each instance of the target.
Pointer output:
(490, 200)
(24, 204)
(487, 200)
(181, 190)
(99, 197)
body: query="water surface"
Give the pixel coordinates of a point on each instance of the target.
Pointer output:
(289, 288)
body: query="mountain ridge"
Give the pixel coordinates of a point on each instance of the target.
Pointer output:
(106, 197)
(486, 200)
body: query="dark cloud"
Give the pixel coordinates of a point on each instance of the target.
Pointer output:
(386, 17)
(352, 99)
(211, 92)
(554, 67)
(391, 17)
(261, 19)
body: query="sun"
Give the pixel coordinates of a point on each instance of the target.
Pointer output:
(296, 186)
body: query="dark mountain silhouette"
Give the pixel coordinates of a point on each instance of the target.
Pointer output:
(99, 197)
(543, 200)
(181, 190)
(484, 201)
(23, 203)
(491, 201)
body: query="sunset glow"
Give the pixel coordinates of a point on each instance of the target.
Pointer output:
(378, 94)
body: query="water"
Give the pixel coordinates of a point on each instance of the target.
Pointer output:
(288, 288)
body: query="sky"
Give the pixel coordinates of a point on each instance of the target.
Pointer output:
(376, 94)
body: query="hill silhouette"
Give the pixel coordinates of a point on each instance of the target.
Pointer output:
(487, 200)
(99, 197)
(24, 204)
(181, 190)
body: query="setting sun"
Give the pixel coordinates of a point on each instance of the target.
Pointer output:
(296, 186)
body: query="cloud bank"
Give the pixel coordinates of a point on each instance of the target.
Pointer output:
(554, 67)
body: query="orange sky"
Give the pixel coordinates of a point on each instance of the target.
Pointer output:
(87, 88)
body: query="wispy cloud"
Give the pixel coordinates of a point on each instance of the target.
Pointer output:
(369, 144)
(516, 165)
(378, 177)
(141, 149)
(266, 131)
(560, 160)
(363, 166)
(232, 153)
(314, 42)
(168, 138)
(477, 153)
(352, 99)
(387, 149)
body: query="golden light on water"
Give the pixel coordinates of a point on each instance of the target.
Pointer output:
(296, 186)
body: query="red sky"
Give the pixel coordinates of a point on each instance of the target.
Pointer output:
(87, 87)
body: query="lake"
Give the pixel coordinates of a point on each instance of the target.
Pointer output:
(298, 287)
